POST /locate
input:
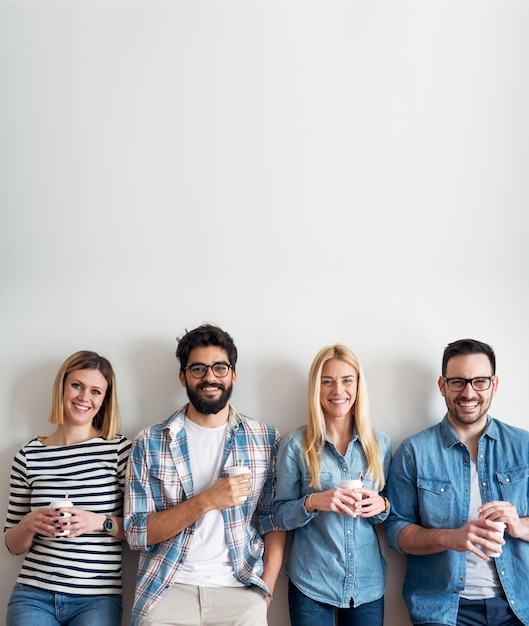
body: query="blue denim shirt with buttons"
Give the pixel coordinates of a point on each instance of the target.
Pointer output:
(334, 558)
(429, 485)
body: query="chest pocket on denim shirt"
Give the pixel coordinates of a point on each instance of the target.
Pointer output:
(435, 501)
(166, 486)
(326, 480)
(514, 484)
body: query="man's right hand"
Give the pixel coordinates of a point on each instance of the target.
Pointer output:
(231, 491)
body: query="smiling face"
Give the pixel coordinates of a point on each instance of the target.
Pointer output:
(468, 407)
(83, 395)
(208, 395)
(339, 382)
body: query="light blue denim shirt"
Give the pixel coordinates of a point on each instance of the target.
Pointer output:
(334, 558)
(429, 485)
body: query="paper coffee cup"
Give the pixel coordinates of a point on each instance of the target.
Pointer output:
(236, 470)
(501, 529)
(62, 504)
(351, 484)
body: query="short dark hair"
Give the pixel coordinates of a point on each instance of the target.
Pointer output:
(468, 346)
(202, 337)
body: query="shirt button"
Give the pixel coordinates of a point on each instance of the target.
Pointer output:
(442, 490)
(349, 554)
(483, 484)
(348, 532)
(507, 480)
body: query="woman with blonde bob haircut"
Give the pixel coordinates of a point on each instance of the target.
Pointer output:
(335, 568)
(66, 505)
(107, 420)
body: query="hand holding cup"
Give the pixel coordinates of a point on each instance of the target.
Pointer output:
(237, 470)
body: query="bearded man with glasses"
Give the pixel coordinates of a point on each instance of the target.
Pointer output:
(454, 489)
(210, 549)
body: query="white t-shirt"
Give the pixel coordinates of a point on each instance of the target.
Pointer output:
(208, 563)
(482, 579)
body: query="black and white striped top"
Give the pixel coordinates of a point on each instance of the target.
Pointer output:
(92, 473)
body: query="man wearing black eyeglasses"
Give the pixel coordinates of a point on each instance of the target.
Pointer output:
(459, 494)
(210, 548)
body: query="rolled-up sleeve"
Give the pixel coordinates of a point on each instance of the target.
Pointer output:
(139, 502)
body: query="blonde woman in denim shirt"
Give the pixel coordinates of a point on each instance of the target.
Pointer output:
(335, 565)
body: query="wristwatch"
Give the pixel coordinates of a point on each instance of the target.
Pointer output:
(108, 524)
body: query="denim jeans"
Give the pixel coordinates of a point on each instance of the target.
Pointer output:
(32, 606)
(488, 612)
(307, 612)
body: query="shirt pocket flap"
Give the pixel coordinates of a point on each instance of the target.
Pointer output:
(513, 486)
(435, 501)
(165, 486)
(434, 485)
(513, 475)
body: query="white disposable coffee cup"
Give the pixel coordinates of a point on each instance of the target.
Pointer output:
(236, 470)
(501, 529)
(351, 484)
(62, 504)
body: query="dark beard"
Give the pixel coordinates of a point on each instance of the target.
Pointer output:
(209, 407)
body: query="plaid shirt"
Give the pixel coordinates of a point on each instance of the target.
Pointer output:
(159, 478)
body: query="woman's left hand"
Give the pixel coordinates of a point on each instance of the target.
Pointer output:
(372, 503)
(80, 521)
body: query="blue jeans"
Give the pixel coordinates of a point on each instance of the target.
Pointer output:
(307, 612)
(488, 612)
(32, 606)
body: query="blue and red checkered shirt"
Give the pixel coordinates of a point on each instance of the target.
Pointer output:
(159, 477)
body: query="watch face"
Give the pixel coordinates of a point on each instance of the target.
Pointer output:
(108, 525)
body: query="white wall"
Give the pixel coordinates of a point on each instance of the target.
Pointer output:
(299, 172)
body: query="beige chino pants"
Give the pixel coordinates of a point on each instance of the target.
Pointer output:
(189, 605)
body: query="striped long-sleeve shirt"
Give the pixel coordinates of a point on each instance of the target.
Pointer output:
(92, 473)
(159, 477)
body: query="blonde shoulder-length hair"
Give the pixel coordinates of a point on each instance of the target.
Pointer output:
(314, 437)
(107, 419)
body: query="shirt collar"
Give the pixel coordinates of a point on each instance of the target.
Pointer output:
(450, 437)
(176, 422)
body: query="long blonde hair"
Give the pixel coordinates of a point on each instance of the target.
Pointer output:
(314, 437)
(107, 419)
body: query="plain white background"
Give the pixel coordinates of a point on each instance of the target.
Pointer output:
(300, 172)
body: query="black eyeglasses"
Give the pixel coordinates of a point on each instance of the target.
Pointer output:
(199, 370)
(481, 383)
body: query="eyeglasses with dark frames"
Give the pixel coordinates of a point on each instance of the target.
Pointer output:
(199, 370)
(481, 383)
